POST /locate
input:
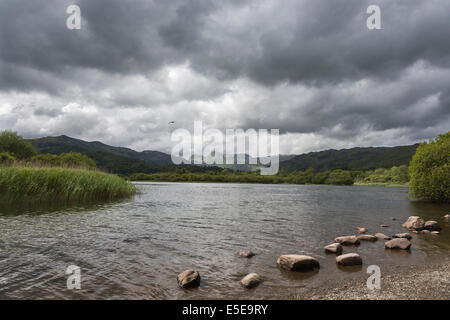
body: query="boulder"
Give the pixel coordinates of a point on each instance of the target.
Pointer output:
(362, 230)
(296, 262)
(382, 236)
(347, 240)
(367, 237)
(402, 235)
(189, 279)
(251, 280)
(432, 226)
(414, 223)
(245, 254)
(349, 259)
(334, 248)
(399, 243)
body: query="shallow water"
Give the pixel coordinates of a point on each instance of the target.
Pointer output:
(134, 249)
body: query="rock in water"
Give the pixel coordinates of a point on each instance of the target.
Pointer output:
(367, 237)
(295, 262)
(349, 259)
(384, 226)
(347, 240)
(189, 279)
(402, 235)
(362, 230)
(245, 254)
(447, 216)
(432, 226)
(435, 232)
(414, 223)
(399, 243)
(251, 280)
(382, 236)
(334, 248)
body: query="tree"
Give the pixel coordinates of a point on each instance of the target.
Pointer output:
(14, 144)
(339, 177)
(430, 170)
(6, 158)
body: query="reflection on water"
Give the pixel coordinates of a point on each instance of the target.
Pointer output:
(134, 249)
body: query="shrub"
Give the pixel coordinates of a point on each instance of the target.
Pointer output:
(6, 158)
(430, 170)
(14, 144)
(66, 160)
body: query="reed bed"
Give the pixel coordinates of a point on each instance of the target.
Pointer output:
(60, 185)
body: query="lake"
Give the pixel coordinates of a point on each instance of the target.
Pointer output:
(134, 249)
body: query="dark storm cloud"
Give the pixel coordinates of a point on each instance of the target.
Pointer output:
(298, 65)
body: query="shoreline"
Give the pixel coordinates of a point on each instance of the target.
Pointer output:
(281, 183)
(431, 282)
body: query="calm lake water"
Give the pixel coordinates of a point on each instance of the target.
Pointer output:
(134, 249)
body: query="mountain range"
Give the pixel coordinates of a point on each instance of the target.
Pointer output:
(126, 161)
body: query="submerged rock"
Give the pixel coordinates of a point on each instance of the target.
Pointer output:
(382, 236)
(447, 216)
(435, 232)
(347, 240)
(334, 248)
(296, 262)
(414, 223)
(189, 279)
(432, 226)
(367, 237)
(399, 243)
(384, 226)
(245, 254)
(349, 259)
(402, 235)
(362, 230)
(425, 231)
(251, 280)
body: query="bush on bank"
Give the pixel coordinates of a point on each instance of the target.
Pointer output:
(430, 170)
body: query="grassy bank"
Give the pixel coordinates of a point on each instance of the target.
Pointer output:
(62, 185)
(380, 184)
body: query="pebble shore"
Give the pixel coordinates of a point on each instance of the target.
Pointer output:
(415, 283)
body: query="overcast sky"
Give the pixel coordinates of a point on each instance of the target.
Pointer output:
(310, 68)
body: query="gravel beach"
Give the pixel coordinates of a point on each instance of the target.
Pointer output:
(416, 283)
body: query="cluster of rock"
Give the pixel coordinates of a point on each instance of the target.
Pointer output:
(415, 223)
(295, 262)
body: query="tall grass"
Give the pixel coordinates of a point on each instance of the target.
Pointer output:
(60, 185)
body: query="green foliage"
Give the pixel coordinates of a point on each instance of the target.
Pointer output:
(58, 185)
(6, 158)
(14, 144)
(395, 175)
(66, 160)
(430, 170)
(339, 177)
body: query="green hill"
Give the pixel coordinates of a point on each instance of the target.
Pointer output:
(352, 159)
(113, 159)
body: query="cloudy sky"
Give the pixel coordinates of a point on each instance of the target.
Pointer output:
(310, 68)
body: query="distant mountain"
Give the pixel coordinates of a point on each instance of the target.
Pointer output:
(114, 159)
(248, 165)
(352, 159)
(126, 161)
